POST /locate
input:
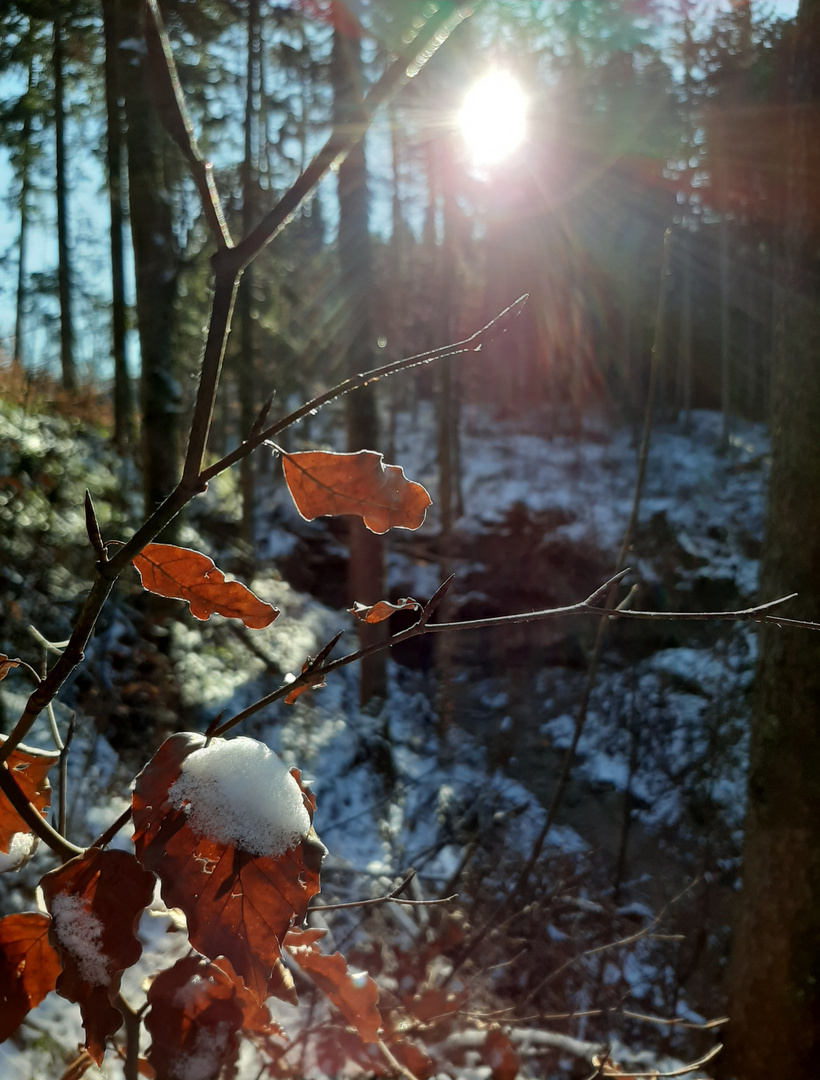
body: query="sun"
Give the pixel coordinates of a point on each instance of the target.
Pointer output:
(493, 118)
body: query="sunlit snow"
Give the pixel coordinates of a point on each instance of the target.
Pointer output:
(237, 791)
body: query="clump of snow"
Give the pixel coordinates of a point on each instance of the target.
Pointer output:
(20, 851)
(237, 791)
(79, 933)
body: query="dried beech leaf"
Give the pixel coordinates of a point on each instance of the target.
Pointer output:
(377, 613)
(196, 1010)
(29, 967)
(328, 484)
(355, 995)
(239, 904)
(29, 767)
(6, 665)
(499, 1053)
(95, 901)
(184, 574)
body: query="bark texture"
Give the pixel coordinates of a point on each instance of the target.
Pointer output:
(775, 990)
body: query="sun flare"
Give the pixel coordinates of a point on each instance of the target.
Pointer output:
(493, 118)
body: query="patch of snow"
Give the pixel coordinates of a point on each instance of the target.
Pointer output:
(237, 791)
(20, 850)
(79, 932)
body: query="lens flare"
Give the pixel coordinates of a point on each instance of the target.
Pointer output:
(493, 118)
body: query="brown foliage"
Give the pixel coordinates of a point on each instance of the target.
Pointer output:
(354, 995)
(377, 613)
(184, 574)
(237, 904)
(28, 967)
(359, 484)
(95, 901)
(29, 768)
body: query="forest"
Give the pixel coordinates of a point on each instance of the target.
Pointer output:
(409, 539)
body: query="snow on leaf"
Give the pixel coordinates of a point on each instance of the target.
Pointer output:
(231, 849)
(377, 613)
(6, 665)
(95, 901)
(355, 995)
(29, 767)
(196, 1010)
(328, 484)
(28, 967)
(184, 574)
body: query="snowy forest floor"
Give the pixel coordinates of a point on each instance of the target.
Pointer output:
(632, 897)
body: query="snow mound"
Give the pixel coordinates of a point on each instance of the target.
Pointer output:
(237, 791)
(80, 934)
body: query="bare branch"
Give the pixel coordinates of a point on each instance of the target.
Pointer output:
(178, 124)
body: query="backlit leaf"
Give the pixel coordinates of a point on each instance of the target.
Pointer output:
(238, 903)
(196, 1010)
(354, 994)
(95, 901)
(28, 967)
(29, 767)
(184, 574)
(329, 484)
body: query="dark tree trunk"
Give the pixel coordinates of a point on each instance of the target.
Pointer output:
(156, 265)
(67, 362)
(22, 246)
(775, 989)
(366, 567)
(123, 398)
(248, 405)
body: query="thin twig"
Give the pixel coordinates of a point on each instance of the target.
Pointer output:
(760, 613)
(393, 897)
(112, 830)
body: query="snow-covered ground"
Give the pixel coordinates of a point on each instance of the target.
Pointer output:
(665, 725)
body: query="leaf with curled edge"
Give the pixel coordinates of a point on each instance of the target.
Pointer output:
(29, 767)
(376, 613)
(184, 574)
(29, 967)
(238, 904)
(355, 995)
(95, 901)
(196, 1011)
(323, 483)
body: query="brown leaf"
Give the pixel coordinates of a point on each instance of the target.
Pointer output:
(6, 665)
(29, 767)
(196, 1010)
(323, 483)
(377, 613)
(95, 901)
(354, 995)
(239, 902)
(28, 967)
(499, 1053)
(184, 574)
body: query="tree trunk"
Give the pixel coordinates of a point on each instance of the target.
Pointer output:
(248, 407)
(156, 265)
(366, 566)
(123, 398)
(775, 982)
(67, 362)
(25, 181)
